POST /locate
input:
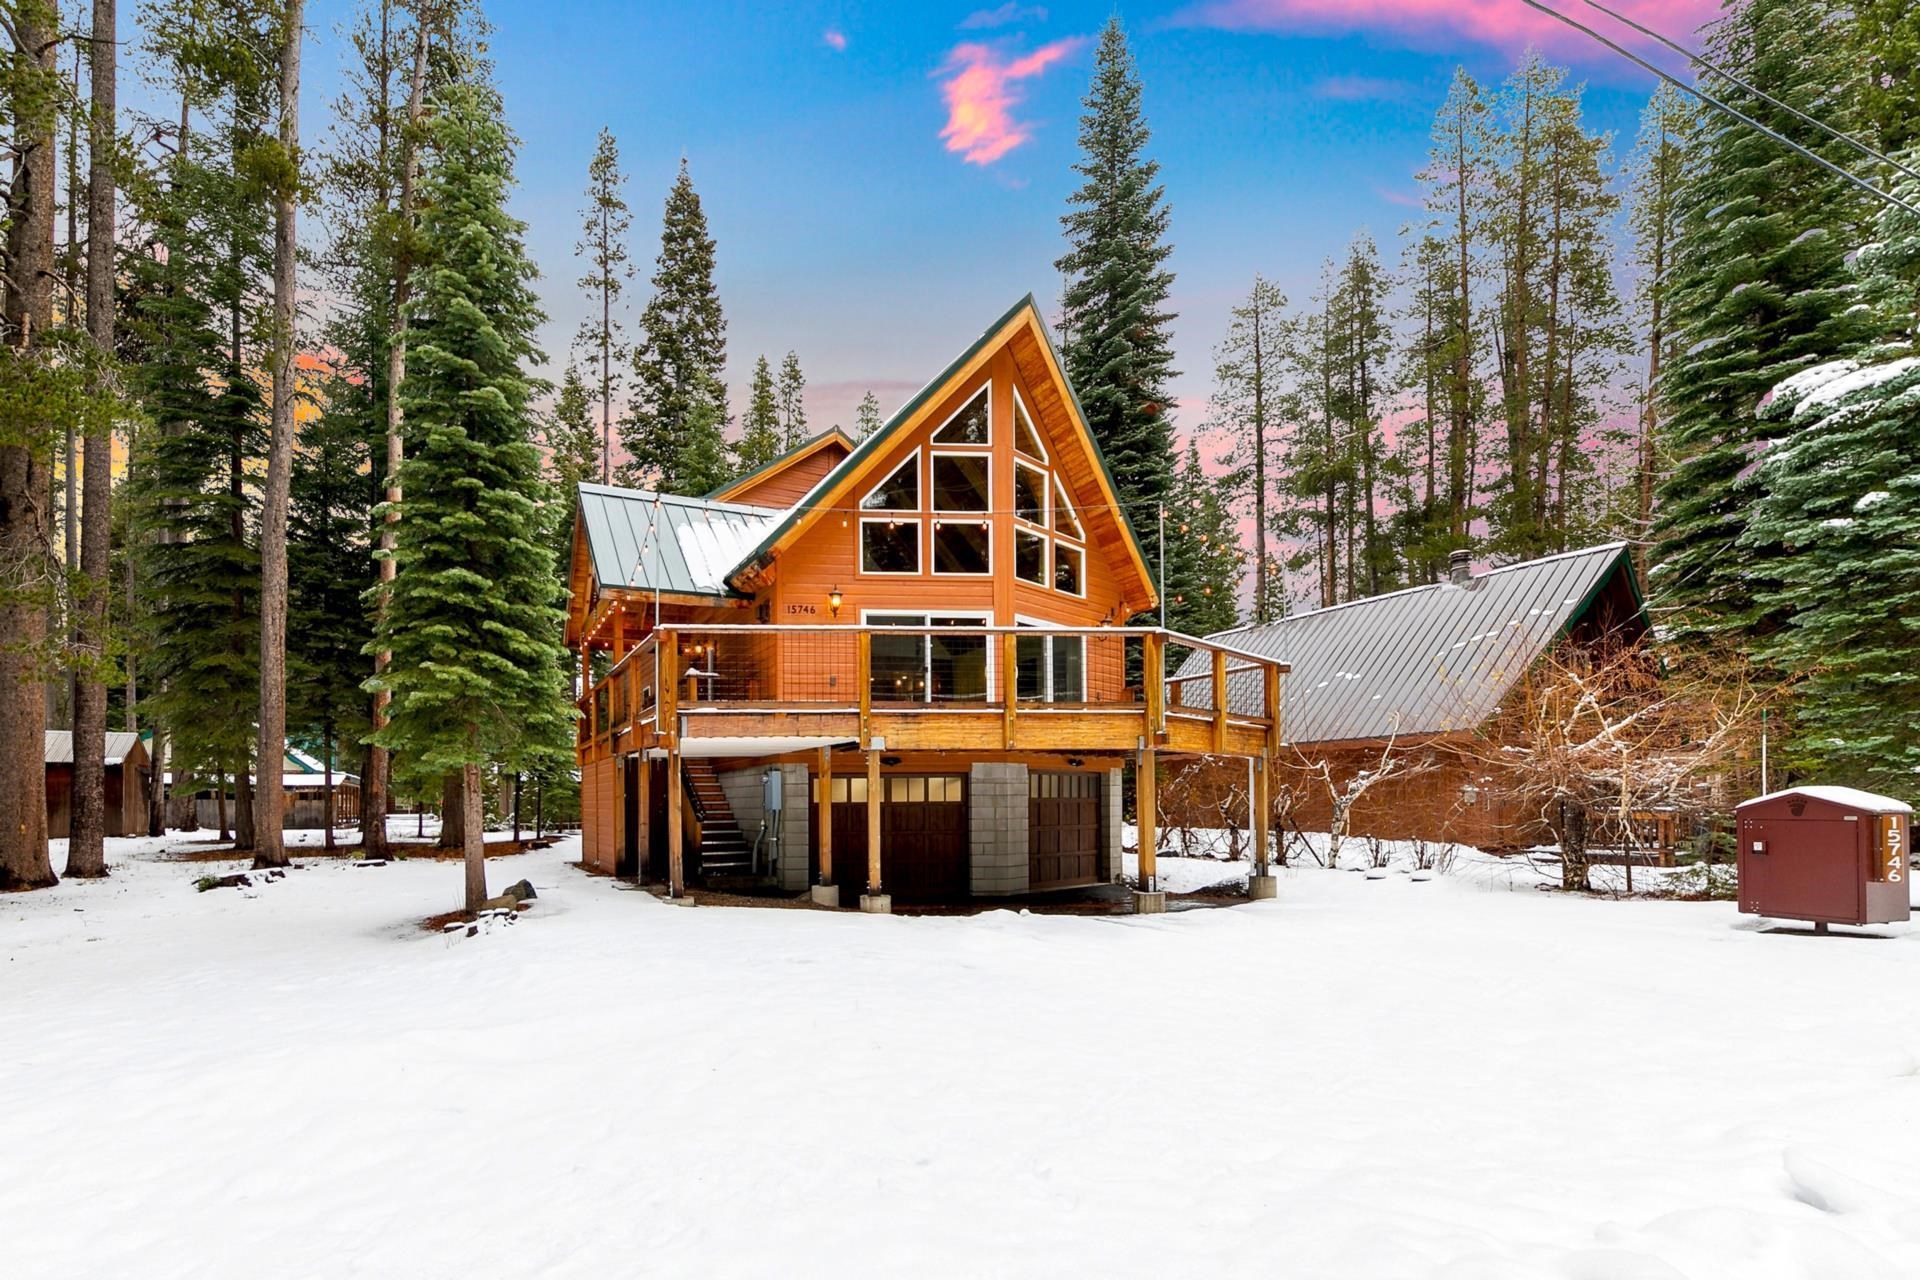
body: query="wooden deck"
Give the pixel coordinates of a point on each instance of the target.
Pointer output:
(976, 689)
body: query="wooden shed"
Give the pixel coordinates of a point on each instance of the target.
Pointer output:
(127, 782)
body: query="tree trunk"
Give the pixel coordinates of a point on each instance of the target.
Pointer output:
(1572, 836)
(515, 784)
(220, 806)
(379, 762)
(243, 815)
(475, 835)
(270, 849)
(326, 750)
(453, 811)
(157, 783)
(86, 851)
(25, 528)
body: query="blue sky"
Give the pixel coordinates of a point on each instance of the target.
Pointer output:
(847, 229)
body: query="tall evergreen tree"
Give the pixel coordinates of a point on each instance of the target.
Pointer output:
(760, 440)
(1669, 128)
(1759, 290)
(1840, 501)
(866, 417)
(473, 621)
(1116, 327)
(1249, 404)
(790, 393)
(1205, 561)
(603, 243)
(680, 357)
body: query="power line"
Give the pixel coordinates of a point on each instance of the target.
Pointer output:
(1886, 196)
(1757, 92)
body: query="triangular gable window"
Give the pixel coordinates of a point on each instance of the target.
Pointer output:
(1025, 438)
(899, 491)
(971, 425)
(1064, 521)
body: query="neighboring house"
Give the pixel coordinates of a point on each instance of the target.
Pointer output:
(126, 762)
(1422, 672)
(933, 622)
(304, 797)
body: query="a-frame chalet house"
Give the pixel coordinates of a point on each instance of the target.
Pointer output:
(898, 668)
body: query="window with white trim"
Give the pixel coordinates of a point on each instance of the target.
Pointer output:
(930, 668)
(971, 423)
(1049, 668)
(900, 491)
(962, 547)
(963, 482)
(890, 546)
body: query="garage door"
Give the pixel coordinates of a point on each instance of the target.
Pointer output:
(923, 837)
(1063, 829)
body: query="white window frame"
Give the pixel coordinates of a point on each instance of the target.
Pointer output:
(920, 487)
(985, 389)
(933, 561)
(1073, 513)
(911, 518)
(1020, 401)
(1045, 581)
(1053, 582)
(1046, 657)
(930, 497)
(1046, 492)
(981, 617)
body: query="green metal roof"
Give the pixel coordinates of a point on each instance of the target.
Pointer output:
(643, 541)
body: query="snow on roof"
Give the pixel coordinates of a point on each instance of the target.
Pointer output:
(1851, 797)
(59, 746)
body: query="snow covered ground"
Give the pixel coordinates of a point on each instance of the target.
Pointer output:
(1364, 1078)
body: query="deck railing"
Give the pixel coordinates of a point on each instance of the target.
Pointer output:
(863, 674)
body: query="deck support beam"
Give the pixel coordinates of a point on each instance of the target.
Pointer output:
(824, 891)
(676, 801)
(873, 900)
(1147, 899)
(644, 845)
(1261, 884)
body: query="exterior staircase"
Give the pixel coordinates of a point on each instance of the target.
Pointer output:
(724, 851)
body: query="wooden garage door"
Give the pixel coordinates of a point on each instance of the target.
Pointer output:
(923, 837)
(1063, 829)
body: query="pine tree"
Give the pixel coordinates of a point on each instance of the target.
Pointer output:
(1458, 169)
(329, 532)
(1840, 500)
(1249, 404)
(1759, 290)
(603, 244)
(1205, 562)
(681, 354)
(473, 622)
(1888, 33)
(760, 440)
(866, 417)
(791, 394)
(1669, 129)
(1118, 348)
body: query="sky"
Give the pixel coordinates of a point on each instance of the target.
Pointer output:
(882, 180)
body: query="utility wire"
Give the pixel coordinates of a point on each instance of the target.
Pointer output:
(1761, 94)
(1885, 196)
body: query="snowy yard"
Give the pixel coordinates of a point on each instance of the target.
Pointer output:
(1365, 1078)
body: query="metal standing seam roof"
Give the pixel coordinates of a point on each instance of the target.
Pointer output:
(700, 540)
(59, 746)
(1427, 660)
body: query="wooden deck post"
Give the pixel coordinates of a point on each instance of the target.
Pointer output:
(645, 844)
(1219, 701)
(874, 900)
(1147, 899)
(824, 891)
(864, 644)
(676, 800)
(1009, 685)
(1153, 677)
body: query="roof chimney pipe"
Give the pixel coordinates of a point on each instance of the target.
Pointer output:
(1460, 567)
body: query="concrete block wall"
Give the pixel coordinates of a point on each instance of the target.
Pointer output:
(746, 794)
(1112, 866)
(997, 829)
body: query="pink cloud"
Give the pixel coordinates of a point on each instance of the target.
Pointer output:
(1504, 24)
(1405, 199)
(834, 39)
(1006, 15)
(980, 94)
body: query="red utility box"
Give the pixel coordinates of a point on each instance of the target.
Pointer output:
(1831, 855)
